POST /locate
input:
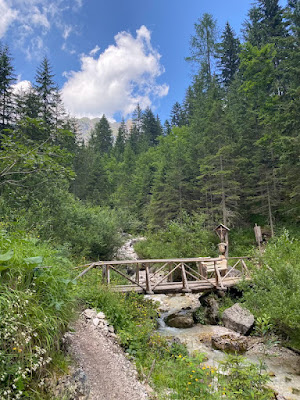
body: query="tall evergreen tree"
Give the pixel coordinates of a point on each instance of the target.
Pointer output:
(203, 45)
(28, 104)
(119, 146)
(151, 128)
(7, 78)
(167, 127)
(229, 55)
(102, 140)
(177, 116)
(265, 23)
(46, 90)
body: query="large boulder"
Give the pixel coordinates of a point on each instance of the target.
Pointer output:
(238, 319)
(231, 342)
(180, 320)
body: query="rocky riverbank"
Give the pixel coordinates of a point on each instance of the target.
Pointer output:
(282, 364)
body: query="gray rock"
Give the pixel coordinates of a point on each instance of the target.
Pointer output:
(238, 319)
(212, 311)
(96, 321)
(111, 329)
(73, 386)
(89, 313)
(101, 315)
(180, 320)
(231, 342)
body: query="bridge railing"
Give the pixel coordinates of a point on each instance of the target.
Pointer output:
(158, 274)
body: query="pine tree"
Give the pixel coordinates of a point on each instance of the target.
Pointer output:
(7, 78)
(151, 129)
(167, 127)
(265, 24)
(229, 55)
(46, 90)
(102, 140)
(119, 146)
(188, 105)
(28, 104)
(177, 116)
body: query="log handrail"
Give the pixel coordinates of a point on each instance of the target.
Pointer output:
(192, 279)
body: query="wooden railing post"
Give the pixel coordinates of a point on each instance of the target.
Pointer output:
(218, 276)
(137, 273)
(148, 282)
(200, 268)
(170, 277)
(103, 273)
(185, 285)
(108, 274)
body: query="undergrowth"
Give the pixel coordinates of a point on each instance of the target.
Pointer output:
(35, 304)
(273, 295)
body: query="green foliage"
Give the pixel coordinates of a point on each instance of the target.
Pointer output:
(200, 315)
(275, 289)
(263, 326)
(243, 381)
(181, 238)
(36, 305)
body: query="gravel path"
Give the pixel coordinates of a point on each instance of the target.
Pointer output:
(110, 375)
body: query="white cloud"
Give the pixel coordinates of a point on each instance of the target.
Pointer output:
(39, 18)
(32, 18)
(7, 16)
(21, 86)
(35, 49)
(94, 51)
(67, 31)
(121, 77)
(65, 48)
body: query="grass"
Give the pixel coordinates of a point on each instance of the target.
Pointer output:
(36, 305)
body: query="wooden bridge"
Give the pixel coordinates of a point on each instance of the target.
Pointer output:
(178, 275)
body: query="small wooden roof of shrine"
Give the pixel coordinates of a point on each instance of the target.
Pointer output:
(221, 226)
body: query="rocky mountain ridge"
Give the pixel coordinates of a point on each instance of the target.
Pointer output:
(86, 125)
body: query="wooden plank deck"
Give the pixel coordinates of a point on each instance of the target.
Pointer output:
(176, 287)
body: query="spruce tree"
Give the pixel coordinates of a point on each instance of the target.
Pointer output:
(151, 129)
(119, 146)
(177, 116)
(7, 78)
(167, 127)
(229, 55)
(265, 23)
(46, 90)
(101, 140)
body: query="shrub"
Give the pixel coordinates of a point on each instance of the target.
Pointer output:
(185, 238)
(35, 305)
(88, 231)
(274, 293)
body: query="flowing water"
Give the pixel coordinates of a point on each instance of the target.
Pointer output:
(282, 364)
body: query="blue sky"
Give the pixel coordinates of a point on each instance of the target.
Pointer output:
(109, 55)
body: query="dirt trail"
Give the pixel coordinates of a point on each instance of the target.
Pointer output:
(110, 375)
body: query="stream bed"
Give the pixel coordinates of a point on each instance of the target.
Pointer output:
(282, 364)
